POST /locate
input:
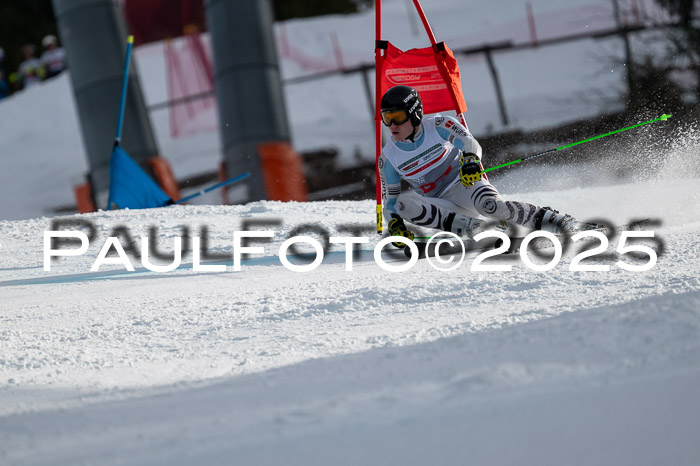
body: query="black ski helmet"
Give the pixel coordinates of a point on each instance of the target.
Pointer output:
(404, 98)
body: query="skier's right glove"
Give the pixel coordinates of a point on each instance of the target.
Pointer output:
(398, 228)
(470, 172)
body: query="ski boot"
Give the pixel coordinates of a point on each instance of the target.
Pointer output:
(464, 226)
(548, 219)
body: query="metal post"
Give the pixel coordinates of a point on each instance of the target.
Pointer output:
(497, 85)
(248, 87)
(94, 35)
(632, 93)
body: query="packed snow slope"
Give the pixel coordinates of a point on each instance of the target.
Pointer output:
(269, 366)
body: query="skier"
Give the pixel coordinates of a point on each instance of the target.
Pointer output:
(441, 161)
(53, 60)
(30, 70)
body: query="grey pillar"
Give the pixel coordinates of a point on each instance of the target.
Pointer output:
(248, 85)
(94, 36)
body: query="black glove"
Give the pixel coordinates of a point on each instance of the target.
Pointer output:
(398, 228)
(470, 172)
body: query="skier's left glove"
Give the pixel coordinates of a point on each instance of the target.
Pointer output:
(398, 228)
(470, 172)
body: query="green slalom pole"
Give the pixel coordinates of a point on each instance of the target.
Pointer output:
(663, 117)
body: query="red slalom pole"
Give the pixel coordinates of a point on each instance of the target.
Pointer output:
(433, 42)
(426, 24)
(377, 104)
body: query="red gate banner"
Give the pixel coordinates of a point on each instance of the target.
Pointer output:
(434, 74)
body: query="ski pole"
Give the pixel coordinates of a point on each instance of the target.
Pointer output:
(122, 103)
(125, 82)
(663, 117)
(216, 186)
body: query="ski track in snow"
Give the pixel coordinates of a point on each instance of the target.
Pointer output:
(182, 367)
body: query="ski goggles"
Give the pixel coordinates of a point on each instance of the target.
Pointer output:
(398, 117)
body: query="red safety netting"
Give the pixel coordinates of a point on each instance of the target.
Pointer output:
(190, 83)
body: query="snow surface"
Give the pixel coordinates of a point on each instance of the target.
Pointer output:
(267, 366)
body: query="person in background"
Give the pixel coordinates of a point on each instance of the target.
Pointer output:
(53, 60)
(30, 71)
(4, 84)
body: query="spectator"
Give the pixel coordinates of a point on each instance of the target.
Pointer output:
(30, 71)
(53, 60)
(4, 84)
